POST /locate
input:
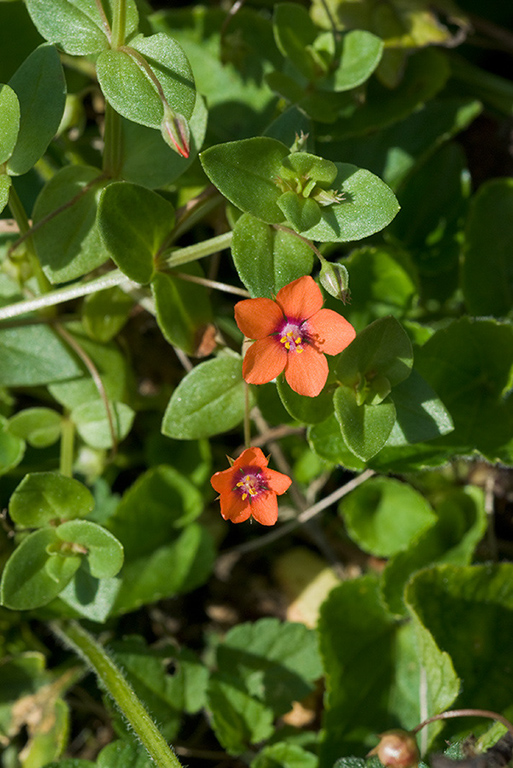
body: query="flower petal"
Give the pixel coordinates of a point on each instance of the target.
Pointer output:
(234, 508)
(251, 457)
(300, 299)
(265, 509)
(306, 373)
(330, 332)
(223, 482)
(257, 318)
(277, 481)
(264, 360)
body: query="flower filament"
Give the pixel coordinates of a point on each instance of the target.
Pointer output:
(251, 484)
(291, 337)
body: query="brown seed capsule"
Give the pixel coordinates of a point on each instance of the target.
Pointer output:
(397, 749)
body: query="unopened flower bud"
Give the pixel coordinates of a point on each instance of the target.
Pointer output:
(334, 279)
(397, 749)
(175, 131)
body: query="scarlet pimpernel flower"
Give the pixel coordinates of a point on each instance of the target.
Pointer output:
(249, 488)
(292, 334)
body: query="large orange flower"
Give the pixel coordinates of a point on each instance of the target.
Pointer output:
(292, 334)
(250, 488)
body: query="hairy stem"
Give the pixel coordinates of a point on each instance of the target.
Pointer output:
(114, 682)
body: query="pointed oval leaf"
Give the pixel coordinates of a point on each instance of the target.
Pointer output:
(365, 428)
(94, 427)
(45, 496)
(9, 121)
(133, 222)
(40, 427)
(383, 516)
(209, 400)
(34, 355)
(184, 312)
(104, 551)
(360, 55)
(26, 583)
(73, 226)
(368, 206)
(77, 26)
(267, 259)
(41, 89)
(243, 171)
(12, 448)
(130, 91)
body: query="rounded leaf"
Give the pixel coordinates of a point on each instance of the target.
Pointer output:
(208, 401)
(40, 427)
(365, 428)
(9, 121)
(94, 427)
(45, 496)
(128, 88)
(104, 552)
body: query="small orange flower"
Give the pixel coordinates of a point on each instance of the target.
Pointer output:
(249, 488)
(292, 334)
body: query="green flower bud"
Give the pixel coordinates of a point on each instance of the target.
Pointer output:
(334, 279)
(175, 131)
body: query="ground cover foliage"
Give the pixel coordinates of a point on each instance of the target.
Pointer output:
(335, 180)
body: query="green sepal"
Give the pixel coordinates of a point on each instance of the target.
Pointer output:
(104, 551)
(133, 223)
(42, 497)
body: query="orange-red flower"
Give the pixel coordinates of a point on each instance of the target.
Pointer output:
(292, 334)
(250, 488)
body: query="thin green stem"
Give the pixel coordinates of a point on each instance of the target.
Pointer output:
(113, 142)
(116, 277)
(67, 447)
(118, 23)
(18, 211)
(113, 681)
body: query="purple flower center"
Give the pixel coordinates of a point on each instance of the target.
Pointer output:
(250, 484)
(293, 335)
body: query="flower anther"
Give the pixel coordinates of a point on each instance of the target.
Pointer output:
(249, 488)
(292, 335)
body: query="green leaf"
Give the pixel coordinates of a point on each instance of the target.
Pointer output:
(160, 559)
(9, 121)
(130, 91)
(34, 355)
(104, 552)
(73, 227)
(208, 401)
(5, 186)
(421, 415)
(238, 719)
(26, 582)
(310, 410)
(384, 516)
(40, 427)
(283, 754)
(295, 34)
(41, 89)
(12, 448)
(121, 754)
(77, 26)
(42, 497)
(461, 524)
(479, 601)
(167, 696)
(368, 206)
(105, 313)
(365, 428)
(488, 283)
(327, 442)
(133, 223)
(382, 282)
(93, 424)
(140, 143)
(360, 55)
(184, 313)
(469, 365)
(244, 172)
(382, 350)
(88, 596)
(266, 259)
